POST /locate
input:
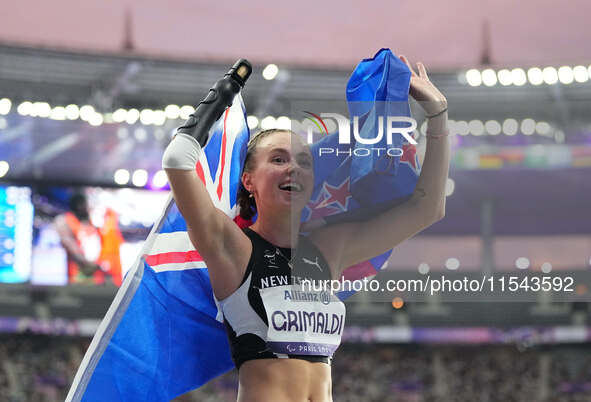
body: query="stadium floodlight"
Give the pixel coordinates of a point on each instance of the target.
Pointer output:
(518, 76)
(252, 121)
(58, 113)
(25, 108)
(5, 106)
(186, 111)
(492, 127)
(139, 178)
(172, 112)
(268, 123)
(542, 128)
(159, 117)
(86, 112)
(522, 263)
(565, 75)
(41, 109)
(476, 127)
(451, 125)
(546, 267)
(121, 176)
(535, 76)
(450, 186)
(283, 123)
(559, 137)
(580, 74)
(159, 180)
(96, 119)
(452, 263)
(423, 268)
(270, 72)
(550, 75)
(72, 112)
(4, 168)
(462, 127)
(473, 77)
(147, 117)
(119, 115)
(510, 127)
(489, 77)
(132, 116)
(504, 77)
(528, 126)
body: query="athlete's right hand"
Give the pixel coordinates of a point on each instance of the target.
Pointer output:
(423, 90)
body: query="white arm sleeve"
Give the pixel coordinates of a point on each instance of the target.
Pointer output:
(182, 153)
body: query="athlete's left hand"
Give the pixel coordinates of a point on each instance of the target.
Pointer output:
(423, 91)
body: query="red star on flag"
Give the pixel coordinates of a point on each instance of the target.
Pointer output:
(319, 211)
(409, 152)
(340, 195)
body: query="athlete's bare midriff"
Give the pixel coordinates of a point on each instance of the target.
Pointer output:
(289, 380)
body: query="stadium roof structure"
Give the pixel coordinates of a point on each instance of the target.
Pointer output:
(109, 81)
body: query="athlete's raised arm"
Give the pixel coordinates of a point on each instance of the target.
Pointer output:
(221, 243)
(360, 241)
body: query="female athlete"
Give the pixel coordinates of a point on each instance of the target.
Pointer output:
(250, 269)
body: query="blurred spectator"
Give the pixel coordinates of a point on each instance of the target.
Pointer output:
(41, 368)
(81, 240)
(92, 252)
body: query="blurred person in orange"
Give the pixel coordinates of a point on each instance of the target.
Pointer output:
(82, 241)
(111, 240)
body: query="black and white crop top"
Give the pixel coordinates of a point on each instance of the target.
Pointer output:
(276, 313)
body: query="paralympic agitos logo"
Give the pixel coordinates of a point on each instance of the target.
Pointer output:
(387, 126)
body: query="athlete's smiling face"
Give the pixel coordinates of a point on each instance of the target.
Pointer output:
(283, 174)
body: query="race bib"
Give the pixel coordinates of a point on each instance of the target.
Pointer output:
(303, 322)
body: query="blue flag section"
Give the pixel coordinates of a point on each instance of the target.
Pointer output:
(363, 179)
(378, 88)
(163, 334)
